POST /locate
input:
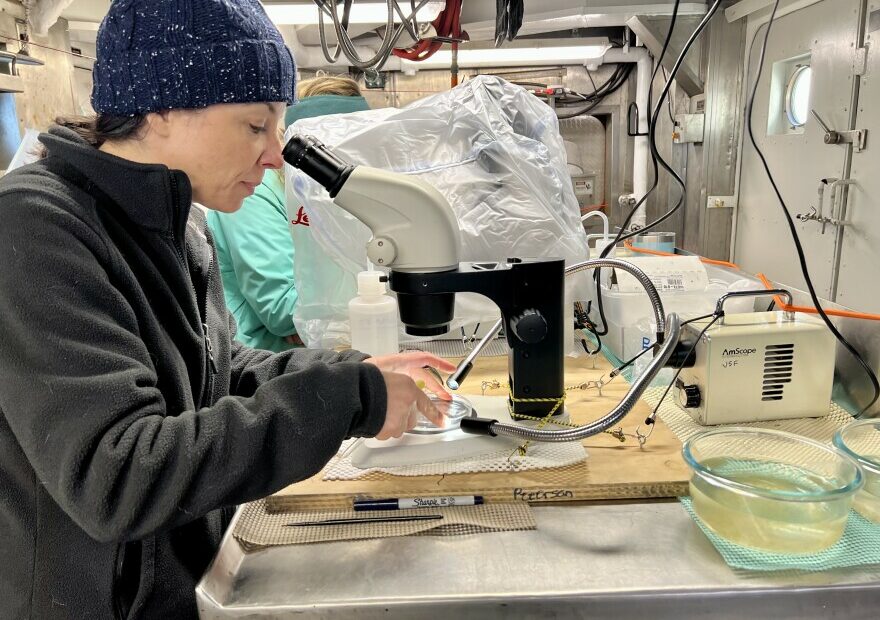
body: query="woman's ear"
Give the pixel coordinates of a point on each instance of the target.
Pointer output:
(160, 123)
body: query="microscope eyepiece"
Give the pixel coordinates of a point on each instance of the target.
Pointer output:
(316, 160)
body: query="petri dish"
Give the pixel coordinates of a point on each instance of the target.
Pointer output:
(771, 490)
(453, 411)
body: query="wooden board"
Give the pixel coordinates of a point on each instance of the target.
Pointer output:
(614, 470)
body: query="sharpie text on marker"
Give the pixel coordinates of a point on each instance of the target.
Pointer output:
(417, 502)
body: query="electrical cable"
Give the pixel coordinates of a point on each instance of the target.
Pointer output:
(592, 81)
(617, 79)
(346, 45)
(650, 419)
(622, 235)
(598, 342)
(655, 113)
(582, 322)
(597, 275)
(658, 159)
(793, 229)
(669, 99)
(613, 82)
(699, 318)
(636, 357)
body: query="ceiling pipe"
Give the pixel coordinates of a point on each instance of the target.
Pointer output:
(644, 68)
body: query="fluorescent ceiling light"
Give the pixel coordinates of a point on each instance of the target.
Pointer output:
(513, 56)
(361, 13)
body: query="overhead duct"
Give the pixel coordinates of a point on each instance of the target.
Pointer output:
(558, 15)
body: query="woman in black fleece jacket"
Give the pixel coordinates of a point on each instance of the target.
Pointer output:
(131, 423)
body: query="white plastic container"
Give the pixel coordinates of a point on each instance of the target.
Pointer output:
(630, 316)
(373, 316)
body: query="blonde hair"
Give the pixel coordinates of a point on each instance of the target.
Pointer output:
(280, 171)
(328, 85)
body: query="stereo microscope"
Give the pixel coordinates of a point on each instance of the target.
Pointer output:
(416, 236)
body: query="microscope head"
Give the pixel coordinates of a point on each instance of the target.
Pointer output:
(414, 228)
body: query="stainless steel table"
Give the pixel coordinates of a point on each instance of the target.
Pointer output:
(623, 560)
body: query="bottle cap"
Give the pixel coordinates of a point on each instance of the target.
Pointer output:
(369, 283)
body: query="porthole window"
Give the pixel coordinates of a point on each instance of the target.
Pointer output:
(797, 96)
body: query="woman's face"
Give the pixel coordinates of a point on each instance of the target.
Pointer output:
(224, 149)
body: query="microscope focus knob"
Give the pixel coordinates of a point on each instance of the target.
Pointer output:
(689, 396)
(530, 326)
(381, 251)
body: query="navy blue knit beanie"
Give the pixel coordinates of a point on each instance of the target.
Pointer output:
(168, 54)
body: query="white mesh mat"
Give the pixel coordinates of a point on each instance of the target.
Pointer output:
(540, 456)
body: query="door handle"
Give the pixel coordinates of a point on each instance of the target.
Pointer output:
(857, 137)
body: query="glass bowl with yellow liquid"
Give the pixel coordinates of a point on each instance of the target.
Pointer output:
(771, 490)
(861, 440)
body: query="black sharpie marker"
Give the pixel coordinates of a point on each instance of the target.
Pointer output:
(417, 502)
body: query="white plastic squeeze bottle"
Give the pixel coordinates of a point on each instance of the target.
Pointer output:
(373, 316)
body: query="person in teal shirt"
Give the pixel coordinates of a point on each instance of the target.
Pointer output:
(254, 249)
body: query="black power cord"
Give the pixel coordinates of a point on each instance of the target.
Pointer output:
(793, 230)
(622, 235)
(659, 60)
(617, 79)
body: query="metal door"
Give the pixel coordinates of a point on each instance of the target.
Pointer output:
(823, 36)
(860, 237)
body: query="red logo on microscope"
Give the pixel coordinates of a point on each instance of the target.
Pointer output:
(301, 218)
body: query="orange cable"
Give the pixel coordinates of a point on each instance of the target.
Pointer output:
(810, 310)
(709, 261)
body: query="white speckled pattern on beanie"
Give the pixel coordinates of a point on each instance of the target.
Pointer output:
(167, 54)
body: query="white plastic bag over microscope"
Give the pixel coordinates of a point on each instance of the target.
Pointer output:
(490, 147)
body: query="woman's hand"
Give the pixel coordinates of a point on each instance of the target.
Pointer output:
(415, 364)
(405, 402)
(405, 399)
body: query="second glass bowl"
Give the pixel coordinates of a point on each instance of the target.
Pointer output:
(861, 440)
